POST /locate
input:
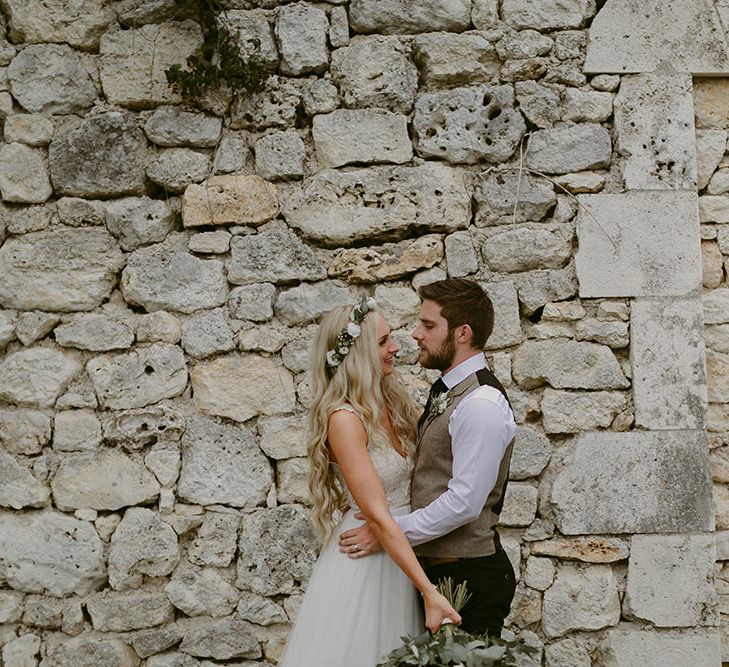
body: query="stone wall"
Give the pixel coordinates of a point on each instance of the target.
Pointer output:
(162, 267)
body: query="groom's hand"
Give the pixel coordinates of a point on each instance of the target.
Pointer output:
(360, 541)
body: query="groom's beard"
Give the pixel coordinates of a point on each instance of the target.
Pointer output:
(442, 358)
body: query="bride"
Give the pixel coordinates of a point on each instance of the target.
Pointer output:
(363, 432)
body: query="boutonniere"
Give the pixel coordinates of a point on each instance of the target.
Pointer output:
(438, 404)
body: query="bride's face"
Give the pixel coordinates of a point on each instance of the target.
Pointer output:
(388, 347)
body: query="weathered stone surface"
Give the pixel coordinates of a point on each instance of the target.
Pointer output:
(607, 503)
(709, 111)
(274, 255)
(524, 249)
(276, 550)
(143, 376)
(716, 306)
(716, 338)
(572, 412)
(229, 199)
(231, 154)
(507, 325)
(308, 302)
(207, 333)
(670, 580)
(375, 72)
(540, 104)
(50, 552)
(92, 651)
(24, 431)
(587, 106)
(23, 174)
(176, 168)
(201, 591)
(292, 481)
(76, 430)
(548, 15)
(581, 182)
(301, 32)
(632, 645)
(569, 147)
(348, 136)
(461, 256)
(539, 573)
(520, 505)
(21, 652)
(398, 305)
(275, 106)
(526, 607)
(104, 156)
(133, 62)
(563, 311)
(36, 376)
(523, 44)
(380, 203)
(121, 612)
(612, 333)
(164, 462)
(222, 464)
(165, 276)
(714, 208)
(11, 606)
(638, 244)
(214, 243)
(215, 541)
(260, 610)
(138, 221)
(77, 212)
(669, 389)
(280, 156)
(18, 487)
(50, 78)
(31, 129)
(690, 32)
(658, 155)
(338, 27)
(221, 639)
(583, 597)
(389, 16)
(592, 549)
(173, 659)
(159, 326)
(719, 182)
(717, 368)
(537, 288)
(172, 126)
(532, 452)
(473, 124)
(567, 364)
(143, 544)
(505, 197)
(252, 302)
(283, 437)
(710, 146)
(155, 640)
(94, 331)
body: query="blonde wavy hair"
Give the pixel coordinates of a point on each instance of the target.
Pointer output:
(359, 382)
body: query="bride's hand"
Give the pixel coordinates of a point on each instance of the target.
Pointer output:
(437, 610)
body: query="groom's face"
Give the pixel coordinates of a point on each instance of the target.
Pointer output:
(434, 339)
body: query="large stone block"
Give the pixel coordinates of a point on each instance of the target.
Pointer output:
(201, 591)
(24, 431)
(657, 155)
(638, 244)
(207, 333)
(507, 324)
(49, 552)
(122, 612)
(573, 412)
(336, 208)
(616, 483)
(138, 221)
(23, 174)
(710, 147)
(18, 487)
(252, 32)
(569, 147)
(92, 651)
(505, 197)
(669, 387)
(104, 156)
(690, 32)
(525, 248)
(36, 376)
(172, 126)
(391, 16)
(308, 302)
(175, 168)
(671, 580)
(301, 31)
(33, 129)
(96, 332)
(532, 451)
(222, 639)
(468, 125)
(709, 107)
(537, 288)
(277, 105)
(547, 14)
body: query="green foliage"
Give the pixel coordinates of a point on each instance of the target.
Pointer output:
(218, 62)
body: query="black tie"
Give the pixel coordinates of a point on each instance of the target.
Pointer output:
(438, 388)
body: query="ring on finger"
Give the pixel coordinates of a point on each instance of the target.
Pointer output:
(355, 548)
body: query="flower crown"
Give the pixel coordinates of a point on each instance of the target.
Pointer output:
(349, 334)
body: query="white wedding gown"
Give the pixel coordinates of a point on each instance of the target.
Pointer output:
(356, 610)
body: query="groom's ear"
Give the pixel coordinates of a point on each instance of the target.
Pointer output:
(464, 334)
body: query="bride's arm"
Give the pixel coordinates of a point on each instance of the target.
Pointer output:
(347, 441)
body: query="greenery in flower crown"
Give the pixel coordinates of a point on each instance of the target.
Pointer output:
(349, 334)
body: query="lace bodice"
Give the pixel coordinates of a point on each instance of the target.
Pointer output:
(393, 470)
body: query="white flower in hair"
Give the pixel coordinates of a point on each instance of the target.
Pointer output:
(353, 329)
(332, 359)
(371, 303)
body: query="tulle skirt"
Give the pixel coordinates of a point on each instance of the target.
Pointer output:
(354, 612)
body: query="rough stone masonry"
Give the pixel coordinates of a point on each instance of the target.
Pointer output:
(162, 268)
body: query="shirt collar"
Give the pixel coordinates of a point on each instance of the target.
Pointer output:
(464, 369)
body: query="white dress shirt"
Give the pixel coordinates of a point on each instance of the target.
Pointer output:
(481, 427)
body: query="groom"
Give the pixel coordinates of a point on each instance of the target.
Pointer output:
(465, 438)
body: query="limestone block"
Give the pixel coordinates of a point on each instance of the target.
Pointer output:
(612, 333)
(36, 376)
(320, 96)
(221, 639)
(715, 337)
(283, 437)
(563, 311)
(280, 156)
(50, 552)
(638, 244)
(714, 208)
(523, 249)
(587, 106)
(262, 338)
(104, 479)
(451, 59)
(520, 504)
(567, 653)
(201, 591)
(658, 155)
(215, 541)
(526, 607)
(76, 430)
(539, 573)
(485, 14)
(573, 412)
(143, 544)
(22, 652)
(531, 453)
(159, 326)
(260, 610)
(567, 364)
(94, 331)
(251, 28)
(133, 62)
(460, 254)
(11, 606)
(507, 325)
(301, 32)
(23, 430)
(690, 32)
(296, 353)
(338, 27)
(26, 219)
(77, 212)
(121, 612)
(164, 462)
(670, 580)
(375, 72)
(138, 221)
(398, 305)
(593, 549)
(569, 147)
(229, 199)
(472, 124)
(390, 260)
(540, 104)
(31, 129)
(52, 79)
(523, 44)
(172, 659)
(104, 156)
(277, 550)
(584, 181)
(607, 310)
(308, 302)
(273, 255)
(92, 651)
(390, 16)
(717, 367)
(710, 146)
(210, 243)
(349, 136)
(380, 203)
(505, 197)
(536, 288)
(23, 174)
(718, 419)
(207, 333)
(292, 481)
(547, 15)
(719, 182)
(231, 153)
(275, 106)
(165, 276)
(18, 487)
(172, 126)
(709, 108)
(570, 44)
(252, 302)
(607, 503)
(669, 389)
(176, 168)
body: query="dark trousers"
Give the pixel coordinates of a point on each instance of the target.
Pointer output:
(491, 582)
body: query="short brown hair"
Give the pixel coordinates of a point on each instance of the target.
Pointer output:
(463, 301)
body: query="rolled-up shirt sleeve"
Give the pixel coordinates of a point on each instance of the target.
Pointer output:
(481, 427)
